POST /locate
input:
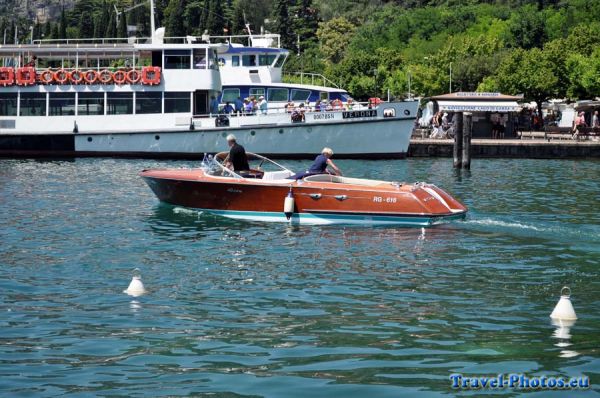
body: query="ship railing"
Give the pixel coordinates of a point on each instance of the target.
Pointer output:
(265, 40)
(103, 41)
(310, 77)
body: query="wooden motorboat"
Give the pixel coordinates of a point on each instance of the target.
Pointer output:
(265, 193)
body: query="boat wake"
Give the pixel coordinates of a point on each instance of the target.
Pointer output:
(185, 210)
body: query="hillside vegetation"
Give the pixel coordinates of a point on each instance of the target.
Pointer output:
(542, 49)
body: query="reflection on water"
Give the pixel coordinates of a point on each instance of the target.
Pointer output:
(268, 309)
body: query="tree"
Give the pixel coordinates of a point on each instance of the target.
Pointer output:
(528, 72)
(215, 21)
(102, 21)
(527, 28)
(63, 24)
(334, 37)
(111, 28)
(122, 27)
(283, 24)
(174, 14)
(86, 26)
(305, 23)
(238, 23)
(192, 14)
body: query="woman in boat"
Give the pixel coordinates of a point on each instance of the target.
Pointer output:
(320, 166)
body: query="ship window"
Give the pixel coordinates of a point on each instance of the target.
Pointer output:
(148, 102)
(177, 59)
(199, 59)
(62, 104)
(278, 94)
(230, 94)
(177, 102)
(8, 104)
(249, 60)
(300, 95)
(33, 104)
(266, 59)
(280, 61)
(235, 60)
(119, 103)
(256, 92)
(90, 104)
(324, 96)
(213, 60)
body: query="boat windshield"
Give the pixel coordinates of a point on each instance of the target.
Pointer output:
(259, 166)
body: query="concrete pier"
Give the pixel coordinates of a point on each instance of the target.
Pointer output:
(508, 148)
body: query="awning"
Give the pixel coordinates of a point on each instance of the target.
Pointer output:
(479, 106)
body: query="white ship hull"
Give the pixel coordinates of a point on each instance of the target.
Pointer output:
(353, 134)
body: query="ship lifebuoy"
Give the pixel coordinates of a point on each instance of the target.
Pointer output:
(76, 77)
(26, 76)
(133, 76)
(90, 77)
(105, 76)
(337, 104)
(7, 76)
(119, 77)
(61, 76)
(46, 77)
(151, 75)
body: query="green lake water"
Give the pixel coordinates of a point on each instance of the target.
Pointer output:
(240, 309)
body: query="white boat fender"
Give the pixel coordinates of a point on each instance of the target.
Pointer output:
(136, 286)
(564, 309)
(288, 205)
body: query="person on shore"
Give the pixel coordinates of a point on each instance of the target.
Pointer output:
(320, 166)
(595, 120)
(579, 123)
(237, 160)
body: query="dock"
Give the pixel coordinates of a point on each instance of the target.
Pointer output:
(508, 148)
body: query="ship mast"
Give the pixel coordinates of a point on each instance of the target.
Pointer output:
(152, 27)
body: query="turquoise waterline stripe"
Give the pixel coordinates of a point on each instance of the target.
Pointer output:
(421, 221)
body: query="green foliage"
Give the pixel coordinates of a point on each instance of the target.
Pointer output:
(174, 15)
(528, 28)
(334, 36)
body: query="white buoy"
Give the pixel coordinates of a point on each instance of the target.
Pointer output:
(136, 286)
(564, 309)
(288, 205)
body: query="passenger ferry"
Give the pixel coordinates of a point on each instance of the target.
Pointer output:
(152, 98)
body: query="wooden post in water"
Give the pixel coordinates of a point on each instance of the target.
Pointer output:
(466, 147)
(458, 140)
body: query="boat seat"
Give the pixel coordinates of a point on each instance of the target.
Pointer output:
(276, 175)
(343, 180)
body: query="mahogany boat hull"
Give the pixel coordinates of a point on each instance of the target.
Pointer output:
(314, 202)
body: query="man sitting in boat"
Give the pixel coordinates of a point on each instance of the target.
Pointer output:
(319, 166)
(237, 159)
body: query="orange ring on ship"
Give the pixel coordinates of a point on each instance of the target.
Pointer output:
(76, 77)
(119, 77)
(61, 76)
(133, 76)
(105, 76)
(90, 77)
(7, 76)
(47, 76)
(26, 76)
(151, 75)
